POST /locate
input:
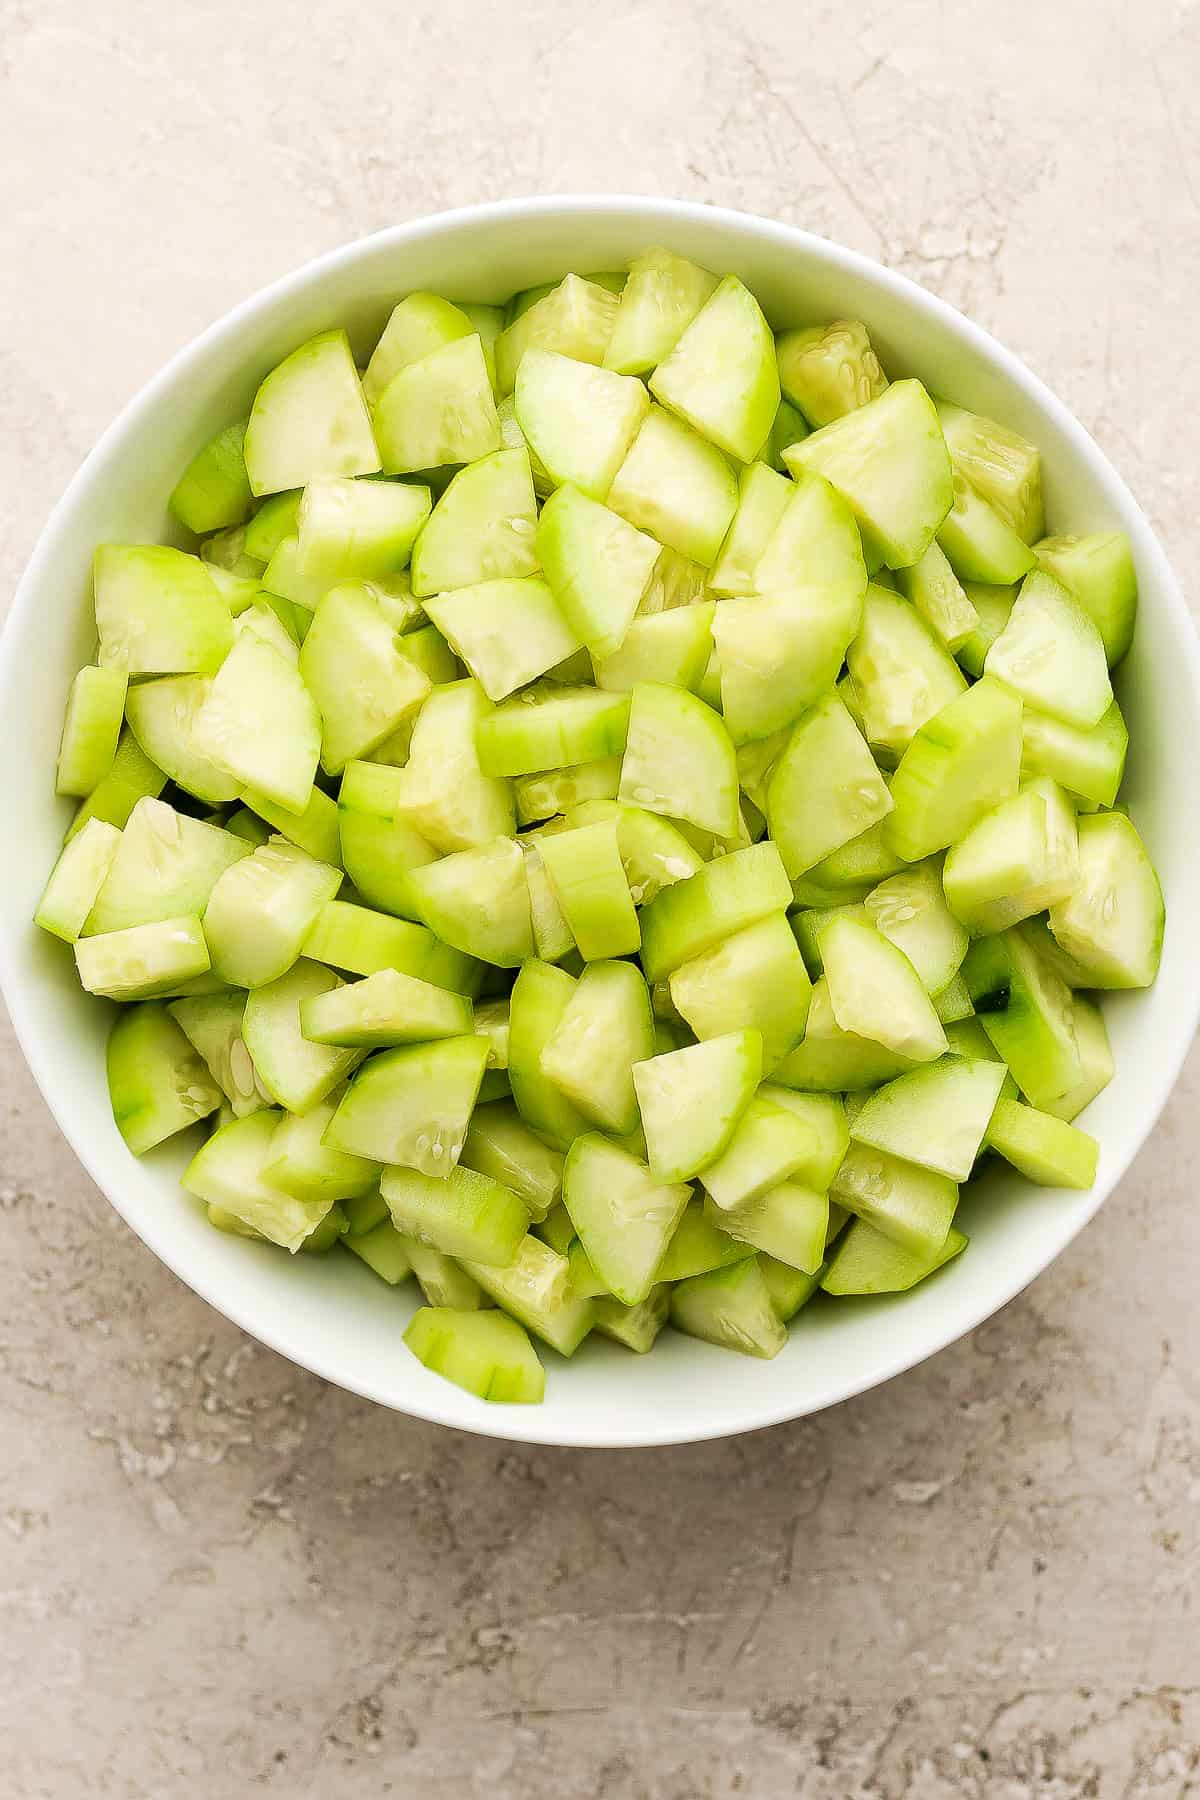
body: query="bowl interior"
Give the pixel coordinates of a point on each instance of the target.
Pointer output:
(331, 1314)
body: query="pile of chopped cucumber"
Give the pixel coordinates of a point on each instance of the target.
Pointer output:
(615, 817)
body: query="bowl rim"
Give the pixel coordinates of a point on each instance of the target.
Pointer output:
(507, 1423)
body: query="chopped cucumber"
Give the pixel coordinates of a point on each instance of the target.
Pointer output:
(412, 1105)
(212, 1024)
(637, 1327)
(589, 882)
(165, 865)
(304, 1166)
(625, 1217)
(417, 325)
(261, 910)
(1052, 654)
(214, 489)
(754, 979)
(676, 486)
(552, 936)
(934, 589)
(669, 648)
(440, 1279)
(1112, 922)
(161, 717)
(486, 1353)
(551, 728)
(721, 376)
(902, 676)
(314, 830)
(816, 545)
(1095, 1058)
(482, 529)
(156, 1082)
(825, 788)
(575, 318)
(142, 962)
(579, 421)
(446, 796)
(960, 764)
(500, 1144)
(277, 518)
(934, 1117)
(1016, 861)
(384, 1250)
(76, 879)
(229, 1171)
(868, 1262)
(699, 1244)
(660, 299)
(1098, 570)
(438, 410)
(606, 1028)
(91, 728)
(979, 545)
(763, 498)
(679, 760)
(789, 1288)
(507, 632)
(876, 993)
(597, 564)
(1045, 1149)
(478, 901)
(1001, 465)
(309, 418)
(296, 1072)
(778, 654)
(540, 997)
(554, 791)
(356, 530)
(654, 853)
(692, 1099)
(158, 612)
(788, 1222)
(993, 608)
(910, 910)
(362, 682)
(953, 1002)
(1089, 762)
(260, 724)
(831, 1060)
(363, 942)
(823, 1118)
(459, 1212)
(829, 370)
(730, 1307)
(1028, 1013)
(768, 1145)
(535, 1288)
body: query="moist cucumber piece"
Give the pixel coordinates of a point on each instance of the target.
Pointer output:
(417, 325)
(229, 1171)
(76, 879)
(277, 518)
(297, 1073)
(378, 847)
(1112, 923)
(654, 852)
(158, 611)
(597, 565)
(625, 1217)
(357, 530)
(478, 901)
(679, 760)
(637, 1327)
(589, 882)
(677, 486)
(979, 545)
(245, 824)
(412, 1105)
(489, 322)
(309, 419)
(1016, 861)
(513, 438)
(575, 319)
(778, 654)
(165, 865)
(953, 1002)
(889, 459)
(260, 724)
(695, 914)
(91, 728)
(428, 649)
(1098, 570)
(551, 728)
(1045, 1149)
(993, 605)
(1028, 1013)
(756, 980)
(227, 550)
(606, 1027)
(692, 1099)
(314, 830)
(910, 910)
(934, 1117)
(1000, 464)
(284, 578)
(384, 1250)
(937, 594)
(441, 1280)
(446, 796)
(437, 411)
(789, 1288)
(829, 370)
(552, 936)
(670, 648)
(876, 993)
(156, 1082)
(398, 604)
(554, 791)
(960, 764)
(500, 1144)
(823, 1118)
(162, 716)
(698, 1245)
(508, 632)
(661, 297)
(831, 1060)
(763, 498)
(730, 1307)
(363, 942)
(214, 489)
(535, 1288)
(1088, 762)
(867, 1262)
(825, 788)
(362, 682)
(261, 910)
(1095, 1057)
(366, 1210)
(966, 1037)
(809, 925)
(268, 624)
(675, 581)
(212, 1024)
(459, 1212)
(902, 676)
(482, 528)
(487, 1353)
(768, 1145)
(302, 1165)
(142, 962)
(1052, 654)
(788, 1222)
(579, 420)
(540, 996)
(721, 375)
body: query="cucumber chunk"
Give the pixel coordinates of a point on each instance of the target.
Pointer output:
(500, 1144)
(156, 1082)
(597, 564)
(730, 1307)
(902, 676)
(825, 788)
(478, 901)
(492, 1022)
(1090, 763)
(913, 1206)
(637, 1327)
(1112, 923)
(699, 1244)
(162, 716)
(934, 1117)
(910, 910)
(540, 996)
(1001, 465)
(230, 1172)
(679, 760)
(960, 764)
(625, 1217)
(788, 1222)
(831, 1060)
(482, 528)
(551, 728)
(1052, 654)
(260, 724)
(979, 545)
(384, 1251)
(91, 728)
(937, 594)
(267, 624)
(670, 648)
(486, 1353)
(227, 550)
(460, 1213)
(654, 853)
(953, 1002)
(309, 418)
(142, 962)
(363, 1211)
(245, 824)
(417, 325)
(778, 654)
(438, 410)
(1016, 861)
(575, 319)
(755, 761)
(554, 791)
(165, 865)
(277, 518)
(754, 980)
(607, 1026)
(1098, 570)
(789, 1288)
(660, 299)
(552, 936)
(763, 498)
(315, 830)
(816, 545)
(446, 796)
(590, 885)
(304, 1166)
(412, 1105)
(1028, 1013)
(214, 489)
(675, 581)
(823, 1118)
(721, 376)
(441, 1280)
(212, 1024)
(261, 910)
(692, 1099)
(789, 427)
(535, 1288)
(158, 611)
(363, 942)
(695, 914)
(356, 530)
(768, 1145)
(993, 608)
(297, 1073)
(876, 993)
(867, 1262)
(677, 486)
(829, 370)
(507, 632)
(1095, 1057)
(76, 879)
(362, 682)
(1045, 1149)
(579, 420)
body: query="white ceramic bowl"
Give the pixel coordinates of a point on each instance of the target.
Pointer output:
(329, 1314)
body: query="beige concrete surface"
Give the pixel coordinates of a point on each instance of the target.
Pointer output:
(220, 1577)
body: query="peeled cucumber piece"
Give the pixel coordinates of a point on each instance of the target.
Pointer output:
(446, 796)
(356, 530)
(768, 1145)
(1045, 1149)
(960, 764)
(597, 566)
(695, 914)
(214, 490)
(458, 1211)
(676, 580)
(554, 791)
(1112, 923)
(822, 1118)
(830, 1060)
(302, 1165)
(1017, 860)
(275, 519)
(260, 724)
(142, 962)
(362, 683)
(661, 297)
(158, 611)
(876, 993)
(156, 1082)
(935, 1117)
(676, 486)
(417, 325)
(552, 936)
(865, 859)
(829, 370)
(440, 1278)
(161, 717)
(691, 1101)
(478, 901)
(261, 910)
(910, 910)
(438, 410)
(363, 942)
(309, 418)
(535, 1289)
(507, 632)
(1000, 464)
(606, 1027)
(679, 760)
(1051, 653)
(763, 497)
(637, 1327)
(754, 979)
(938, 595)
(867, 1262)
(550, 728)
(411, 1106)
(902, 676)
(114, 797)
(297, 1073)
(579, 420)
(91, 728)
(721, 375)
(913, 1206)
(589, 882)
(269, 625)
(487, 1353)
(670, 648)
(816, 546)
(779, 653)
(384, 1250)
(698, 1245)
(575, 319)
(790, 1289)
(1027, 1011)
(624, 1216)
(1098, 570)
(165, 865)
(730, 1307)
(76, 879)
(540, 996)
(825, 788)
(482, 528)
(980, 545)
(1088, 762)
(227, 550)
(499, 1143)
(993, 606)
(229, 1171)
(788, 1222)
(212, 1024)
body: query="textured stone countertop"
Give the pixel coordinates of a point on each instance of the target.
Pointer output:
(219, 1576)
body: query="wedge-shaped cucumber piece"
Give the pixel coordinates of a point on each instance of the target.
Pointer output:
(156, 1082)
(816, 545)
(730, 1307)
(507, 632)
(825, 788)
(579, 421)
(606, 1027)
(552, 936)
(158, 611)
(756, 980)
(597, 564)
(277, 518)
(695, 914)
(1090, 763)
(1052, 654)
(214, 490)
(788, 428)
(691, 1101)
(910, 910)
(460, 1213)
(763, 497)
(482, 528)
(790, 1289)
(166, 865)
(297, 1073)
(677, 486)
(660, 299)
(755, 761)
(934, 1117)
(574, 319)
(535, 1288)
(440, 1279)
(1045, 1149)
(810, 924)
(162, 716)
(499, 1143)
(768, 1145)
(637, 1327)
(354, 938)
(445, 796)
(489, 322)
(262, 909)
(938, 595)
(76, 880)
(655, 854)
(913, 1206)
(679, 760)
(91, 728)
(212, 1024)
(417, 326)
(669, 648)
(382, 1009)
(439, 410)
(698, 1245)
(788, 1222)
(142, 961)
(478, 901)
(305, 1167)
(867, 1262)
(889, 459)
(230, 1172)
(1112, 924)
(823, 1118)
(624, 1216)
(902, 676)
(551, 728)
(868, 858)
(778, 654)
(1001, 465)
(1095, 1057)
(356, 530)
(676, 581)
(829, 370)
(540, 996)
(1016, 861)
(721, 375)
(260, 724)
(1028, 1013)
(876, 993)
(993, 608)
(960, 764)
(1098, 570)
(589, 882)
(267, 624)
(315, 830)
(411, 1106)
(953, 1002)
(227, 550)
(362, 682)
(979, 545)
(831, 1060)
(309, 419)
(554, 791)
(491, 1022)
(384, 1250)
(363, 1212)
(487, 1353)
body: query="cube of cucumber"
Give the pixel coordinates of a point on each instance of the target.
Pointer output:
(625, 1217)
(156, 1082)
(142, 962)
(597, 564)
(913, 1206)
(902, 676)
(550, 728)
(692, 1099)
(867, 1262)
(361, 681)
(1016, 861)
(779, 653)
(486, 1353)
(438, 410)
(831, 1060)
(910, 910)
(590, 885)
(1044, 1148)
(508, 632)
(229, 1171)
(829, 370)
(91, 728)
(554, 791)
(76, 879)
(637, 1327)
(417, 325)
(165, 865)
(214, 489)
(826, 1133)
(411, 1106)
(459, 1212)
(261, 910)
(158, 611)
(1000, 464)
(1112, 922)
(790, 1289)
(960, 764)
(934, 1117)
(993, 608)
(730, 1307)
(768, 1145)
(356, 530)
(296, 1072)
(669, 648)
(441, 1280)
(1088, 762)
(876, 993)
(825, 788)
(695, 914)
(315, 830)
(788, 1222)
(606, 1028)
(661, 297)
(384, 1250)
(302, 1165)
(938, 595)
(1095, 1057)
(446, 797)
(1027, 1011)
(309, 418)
(383, 1009)
(763, 497)
(482, 528)
(500, 1144)
(676, 486)
(698, 1245)
(212, 1024)
(575, 319)
(679, 760)
(535, 1288)
(478, 901)
(979, 545)
(162, 716)
(1051, 653)
(721, 376)
(578, 420)
(754, 979)
(1098, 570)
(260, 724)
